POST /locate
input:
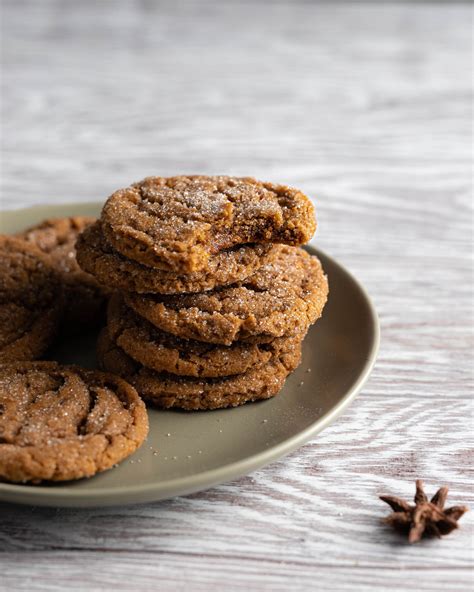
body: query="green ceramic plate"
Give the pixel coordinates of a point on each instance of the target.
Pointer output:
(187, 452)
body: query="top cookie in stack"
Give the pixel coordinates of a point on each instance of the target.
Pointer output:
(195, 258)
(188, 234)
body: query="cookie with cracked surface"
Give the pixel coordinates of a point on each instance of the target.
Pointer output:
(84, 297)
(183, 392)
(178, 223)
(31, 301)
(164, 352)
(97, 256)
(281, 298)
(59, 423)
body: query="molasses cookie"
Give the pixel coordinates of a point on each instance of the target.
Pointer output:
(283, 297)
(84, 297)
(164, 352)
(178, 223)
(167, 390)
(61, 422)
(96, 256)
(30, 301)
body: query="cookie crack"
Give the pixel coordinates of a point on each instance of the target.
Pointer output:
(82, 425)
(255, 289)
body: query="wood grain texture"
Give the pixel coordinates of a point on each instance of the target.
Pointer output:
(365, 107)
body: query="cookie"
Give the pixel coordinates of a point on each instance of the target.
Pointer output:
(164, 352)
(30, 301)
(96, 256)
(283, 297)
(167, 390)
(84, 297)
(178, 223)
(61, 422)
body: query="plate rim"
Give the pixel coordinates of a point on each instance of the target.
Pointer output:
(48, 496)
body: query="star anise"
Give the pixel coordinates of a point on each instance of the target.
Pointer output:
(425, 517)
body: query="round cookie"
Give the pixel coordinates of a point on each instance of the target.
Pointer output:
(166, 390)
(96, 256)
(164, 352)
(281, 298)
(30, 301)
(84, 297)
(177, 223)
(62, 422)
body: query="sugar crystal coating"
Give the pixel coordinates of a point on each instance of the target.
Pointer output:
(177, 223)
(164, 352)
(62, 422)
(281, 298)
(168, 390)
(97, 256)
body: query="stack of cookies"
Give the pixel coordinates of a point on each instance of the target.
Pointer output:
(213, 295)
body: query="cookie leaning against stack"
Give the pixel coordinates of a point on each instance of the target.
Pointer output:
(214, 297)
(84, 297)
(31, 301)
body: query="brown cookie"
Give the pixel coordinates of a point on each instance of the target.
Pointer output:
(167, 390)
(164, 352)
(61, 422)
(30, 301)
(177, 223)
(283, 297)
(84, 297)
(96, 256)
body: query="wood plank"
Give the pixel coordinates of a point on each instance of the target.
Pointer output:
(176, 572)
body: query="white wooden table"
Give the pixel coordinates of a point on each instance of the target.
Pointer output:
(366, 108)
